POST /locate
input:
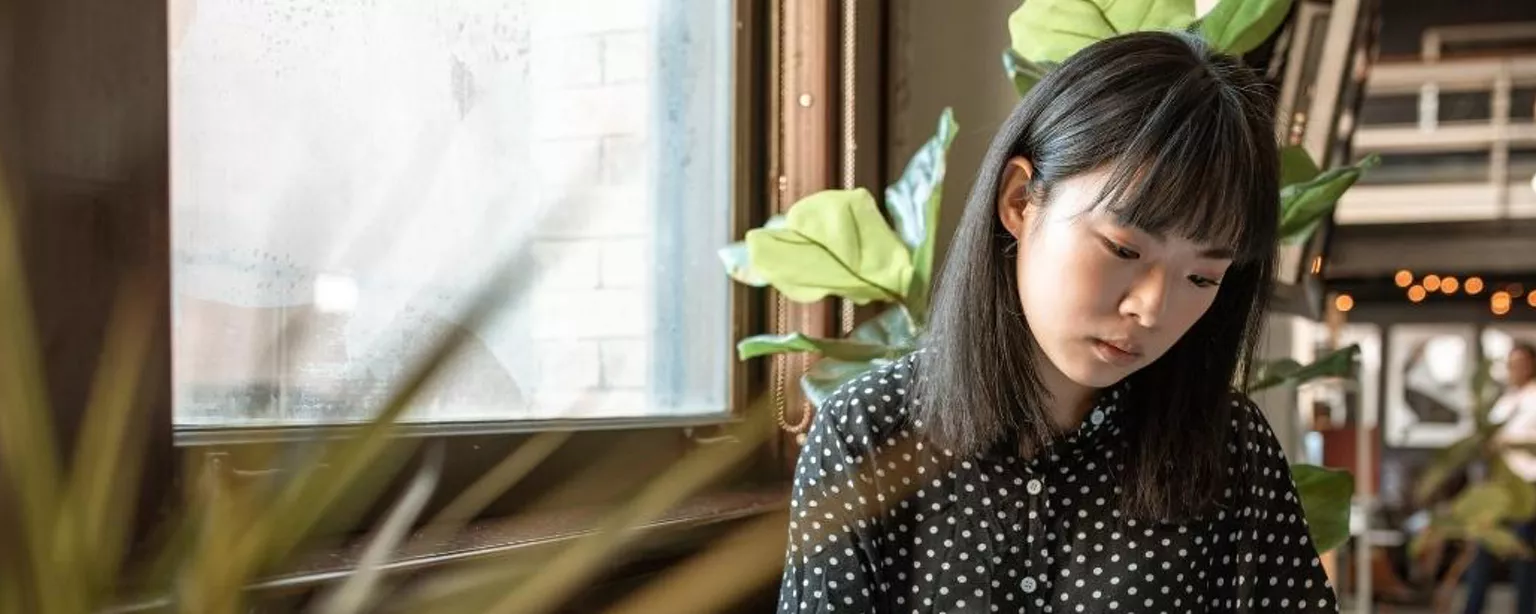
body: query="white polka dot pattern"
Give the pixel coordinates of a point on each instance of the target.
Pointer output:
(881, 521)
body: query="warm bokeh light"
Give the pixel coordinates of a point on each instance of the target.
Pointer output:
(1499, 303)
(1530, 299)
(1317, 265)
(1404, 278)
(1345, 302)
(1474, 285)
(1516, 289)
(1416, 293)
(1449, 285)
(1432, 282)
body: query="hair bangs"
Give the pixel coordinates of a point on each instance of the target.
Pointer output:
(1190, 173)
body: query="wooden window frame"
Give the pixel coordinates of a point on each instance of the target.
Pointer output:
(84, 135)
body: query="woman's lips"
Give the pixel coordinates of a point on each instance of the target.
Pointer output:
(1119, 354)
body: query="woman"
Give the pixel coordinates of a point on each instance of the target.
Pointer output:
(1068, 439)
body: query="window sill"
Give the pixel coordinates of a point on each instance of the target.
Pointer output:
(197, 436)
(535, 535)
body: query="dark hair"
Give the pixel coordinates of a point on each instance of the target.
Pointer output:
(1188, 137)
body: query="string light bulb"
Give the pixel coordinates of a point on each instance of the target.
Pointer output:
(1404, 278)
(1416, 293)
(1499, 303)
(1432, 282)
(1345, 302)
(1474, 285)
(1449, 285)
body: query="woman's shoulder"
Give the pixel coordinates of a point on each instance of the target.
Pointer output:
(1251, 427)
(873, 405)
(1260, 458)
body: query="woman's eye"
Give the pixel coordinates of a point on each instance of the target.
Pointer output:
(1120, 251)
(1204, 282)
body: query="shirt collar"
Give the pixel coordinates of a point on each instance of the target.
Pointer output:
(1101, 418)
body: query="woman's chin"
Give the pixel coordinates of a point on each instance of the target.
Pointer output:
(1094, 374)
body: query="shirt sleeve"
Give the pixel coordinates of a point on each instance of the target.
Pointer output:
(1275, 566)
(831, 563)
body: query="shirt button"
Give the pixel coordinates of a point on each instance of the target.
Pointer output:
(1028, 584)
(1035, 486)
(1097, 417)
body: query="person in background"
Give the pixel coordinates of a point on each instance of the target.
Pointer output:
(1518, 407)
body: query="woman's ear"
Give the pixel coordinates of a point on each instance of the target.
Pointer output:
(1013, 198)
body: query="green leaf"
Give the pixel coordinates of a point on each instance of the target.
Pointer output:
(1521, 494)
(891, 328)
(913, 202)
(834, 242)
(738, 264)
(1481, 505)
(1296, 166)
(842, 349)
(1502, 542)
(1238, 26)
(1325, 496)
(1053, 30)
(1269, 374)
(1447, 462)
(828, 374)
(1023, 73)
(1304, 205)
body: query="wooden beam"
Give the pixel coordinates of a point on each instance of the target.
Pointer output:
(1379, 250)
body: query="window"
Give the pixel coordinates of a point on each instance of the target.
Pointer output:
(347, 175)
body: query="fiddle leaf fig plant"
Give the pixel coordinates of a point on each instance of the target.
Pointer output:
(837, 243)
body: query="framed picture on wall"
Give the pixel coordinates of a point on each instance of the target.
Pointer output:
(1429, 373)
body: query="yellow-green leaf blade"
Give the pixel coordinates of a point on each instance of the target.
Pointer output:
(1238, 26)
(834, 242)
(1053, 30)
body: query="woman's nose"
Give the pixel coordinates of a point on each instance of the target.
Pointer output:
(1147, 299)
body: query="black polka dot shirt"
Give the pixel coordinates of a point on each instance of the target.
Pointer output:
(881, 521)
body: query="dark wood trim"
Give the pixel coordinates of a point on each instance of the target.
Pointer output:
(84, 131)
(526, 541)
(1505, 247)
(809, 106)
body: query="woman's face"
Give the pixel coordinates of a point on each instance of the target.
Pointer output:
(1102, 300)
(1522, 367)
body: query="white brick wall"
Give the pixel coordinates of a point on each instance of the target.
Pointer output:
(592, 313)
(625, 363)
(626, 56)
(561, 17)
(499, 108)
(569, 265)
(603, 110)
(625, 263)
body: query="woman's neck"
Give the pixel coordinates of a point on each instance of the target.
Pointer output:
(1068, 401)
